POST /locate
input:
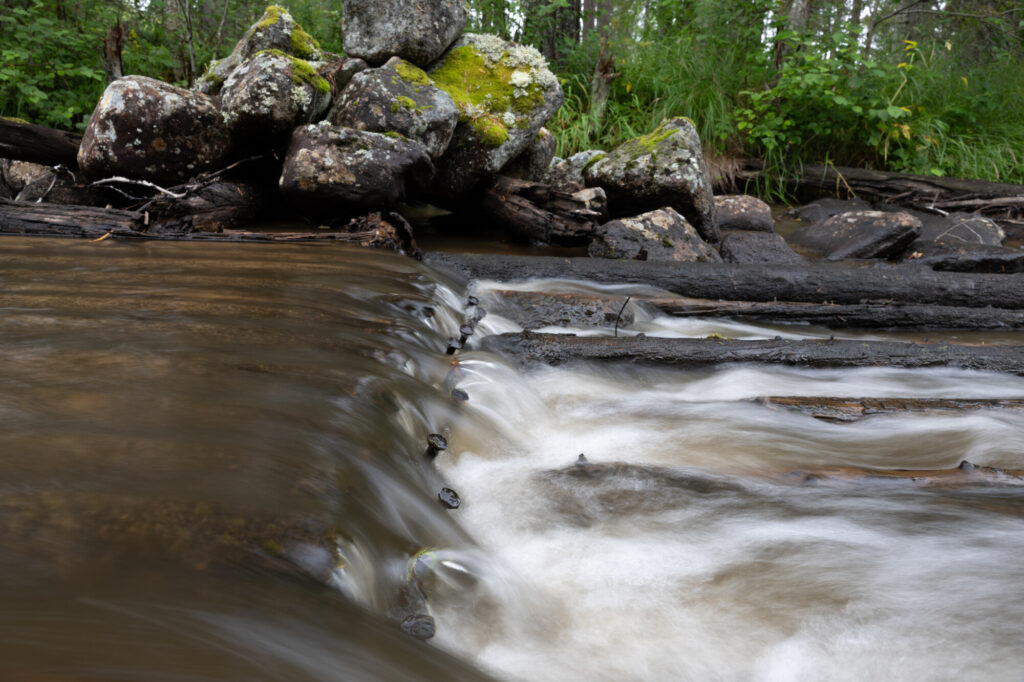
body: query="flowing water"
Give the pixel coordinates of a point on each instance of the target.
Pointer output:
(212, 468)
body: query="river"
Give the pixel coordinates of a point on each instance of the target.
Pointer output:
(212, 468)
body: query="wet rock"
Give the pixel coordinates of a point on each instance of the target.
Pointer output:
(145, 129)
(326, 165)
(967, 228)
(270, 94)
(859, 234)
(448, 498)
(419, 32)
(399, 98)
(582, 461)
(534, 310)
(757, 248)
(504, 93)
(958, 256)
(533, 163)
(275, 30)
(743, 212)
(656, 235)
(460, 396)
(823, 209)
(663, 168)
(420, 626)
(436, 443)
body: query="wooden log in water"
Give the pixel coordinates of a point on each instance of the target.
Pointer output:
(764, 283)
(539, 212)
(29, 142)
(557, 349)
(855, 409)
(966, 475)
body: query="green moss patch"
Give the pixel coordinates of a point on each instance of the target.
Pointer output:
(271, 16)
(302, 72)
(412, 73)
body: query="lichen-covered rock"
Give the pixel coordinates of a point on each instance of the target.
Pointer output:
(419, 32)
(743, 212)
(26, 181)
(270, 94)
(505, 94)
(567, 174)
(398, 97)
(14, 175)
(275, 30)
(327, 166)
(145, 129)
(664, 168)
(657, 235)
(535, 160)
(757, 247)
(859, 234)
(968, 228)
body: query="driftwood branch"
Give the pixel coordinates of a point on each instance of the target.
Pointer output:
(556, 349)
(908, 284)
(38, 144)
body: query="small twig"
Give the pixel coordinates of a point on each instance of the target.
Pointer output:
(99, 239)
(141, 183)
(617, 317)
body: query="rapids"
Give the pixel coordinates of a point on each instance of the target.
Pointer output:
(212, 468)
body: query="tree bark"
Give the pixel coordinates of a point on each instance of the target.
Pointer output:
(556, 349)
(112, 43)
(38, 144)
(907, 284)
(539, 212)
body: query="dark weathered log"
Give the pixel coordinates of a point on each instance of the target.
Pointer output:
(764, 283)
(212, 208)
(39, 144)
(967, 475)
(539, 212)
(556, 349)
(925, 192)
(854, 409)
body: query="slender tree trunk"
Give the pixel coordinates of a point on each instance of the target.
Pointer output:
(797, 15)
(601, 83)
(112, 43)
(589, 17)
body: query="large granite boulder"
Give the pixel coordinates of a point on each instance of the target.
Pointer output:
(757, 247)
(859, 234)
(419, 32)
(657, 235)
(398, 97)
(275, 30)
(743, 212)
(664, 168)
(505, 94)
(145, 129)
(270, 94)
(328, 167)
(533, 163)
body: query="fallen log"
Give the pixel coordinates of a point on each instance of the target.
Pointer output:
(557, 349)
(854, 409)
(966, 475)
(764, 283)
(539, 212)
(24, 141)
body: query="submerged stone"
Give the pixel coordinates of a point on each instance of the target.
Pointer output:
(420, 626)
(757, 248)
(419, 32)
(859, 234)
(145, 129)
(663, 168)
(399, 98)
(656, 235)
(448, 498)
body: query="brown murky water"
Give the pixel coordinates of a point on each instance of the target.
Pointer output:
(211, 468)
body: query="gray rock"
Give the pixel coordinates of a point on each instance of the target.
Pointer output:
(859, 234)
(534, 162)
(757, 248)
(398, 97)
(340, 71)
(961, 256)
(743, 212)
(275, 30)
(968, 228)
(43, 183)
(664, 168)
(822, 209)
(14, 175)
(657, 235)
(505, 94)
(270, 94)
(327, 166)
(376, 30)
(145, 129)
(567, 174)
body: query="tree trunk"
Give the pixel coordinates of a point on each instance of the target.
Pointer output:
(797, 15)
(601, 84)
(112, 43)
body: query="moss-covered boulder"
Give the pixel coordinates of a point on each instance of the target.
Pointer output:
(275, 30)
(145, 129)
(533, 163)
(664, 168)
(328, 167)
(270, 94)
(505, 94)
(398, 97)
(417, 31)
(656, 235)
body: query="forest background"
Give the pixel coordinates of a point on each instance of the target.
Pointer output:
(917, 86)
